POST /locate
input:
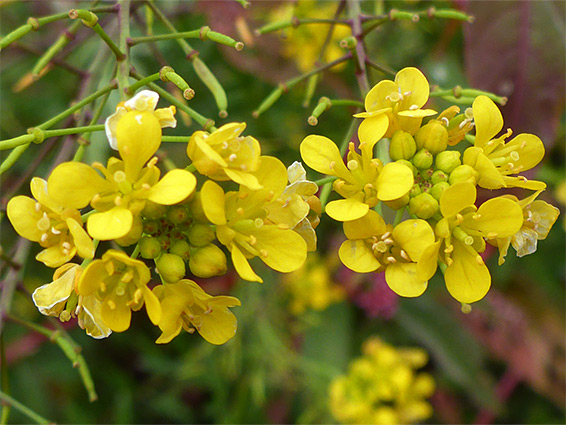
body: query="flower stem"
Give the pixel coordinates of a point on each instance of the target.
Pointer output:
(12, 158)
(26, 411)
(85, 140)
(458, 92)
(123, 70)
(325, 180)
(175, 139)
(130, 90)
(295, 22)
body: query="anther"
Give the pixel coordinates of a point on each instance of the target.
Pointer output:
(118, 200)
(331, 165)
(44, 237)
(253, 240)
(111, 304)
(479, 260)
(152, 162)
(240, 211)
(391, 259)
(405, 255)
(232, 157)
(146, 186)
(55, 231)
(244, 167)
(385, 235)
(37, 206)
(66, 245)
(263, 253)
(449, 249)
(413, 107)
(491, 235)
(445, 121)
(283, 226)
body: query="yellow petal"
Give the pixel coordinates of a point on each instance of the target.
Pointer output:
(369, 225)
(288, 209)
(376, 98)
(371, 130)
(417, 113)
(243, 178)
(322, 155)
(282, 250)
(414, 236)
(145, 100)
(489, 176)
(357, 256)
(90, 318)
(50, 299)
(402, 279)
(488, 120)
(24, 217)
(83, 242)
(111, 224)
(499, 216)
(39, 191)
(152, 305)
(394, 181)
(212, 197)
(347, 209)
(522, 182)
(457, 197)
(467, 278)
(118, 319)
(54, 256)
(166, 116)
(413, 86)
(243, 267)
(428, 262)
(174, 187)
(91, 278)
(220, 324)
(529, 148)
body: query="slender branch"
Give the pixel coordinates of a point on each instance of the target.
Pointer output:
(295, 22)
(383, 68)
(123, 70)
(8, 400)
(360, 52)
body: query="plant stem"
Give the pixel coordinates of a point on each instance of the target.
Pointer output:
(8, 400)
(186, 34)
(12, 158)
(86, 139)
(175, 139)
(5, 380)
(325, 180)
(130, 90)
(295, 22)
(354, 13)
(123, 70)
(383, 68)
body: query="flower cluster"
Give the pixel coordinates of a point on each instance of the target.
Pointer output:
(435, 185)
(383, 387)
(169, 221)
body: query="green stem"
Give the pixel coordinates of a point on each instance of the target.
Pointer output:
(123, 70)
(120, 56)
(26, 411)
(5, 380)
(136, 251)
(73, 130)
(354, 12)
(12, 158)
(325, 180)
(175, 139)
(346, 102)
(24, 139)
(458, 92)
(33, 24)
(295, 22)
(130, 90)
(383, 68)
(398, 216)
(56, 47)
(186, 34)
(86, 139)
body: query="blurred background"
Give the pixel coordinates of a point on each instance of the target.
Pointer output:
(505, 362)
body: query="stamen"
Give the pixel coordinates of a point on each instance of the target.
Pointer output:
(405, 255)
(44, 237)
(331, 165)
(118, 200)
(283, 226)
(37, 206)
(146, 186)
(55, 231)
(391, 259)
(413, 107)
(244, 167)
(232, 157)
(253, 240)
(66, 245)
(240, 211)
(264, 253)
(258, 222)
(224, 145)
(491, 235)
(111, 304)
(445, 121)
(385, 235)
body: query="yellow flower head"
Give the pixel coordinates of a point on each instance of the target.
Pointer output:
(225, 155)
(383, 387)
(144, 101)
(461, 236)
(127, 184)
(120, 283)
(363, 182)
(58, 229)
(243, 225)
(186, 306)
(374, 246)
(496, 160)
(400, 100)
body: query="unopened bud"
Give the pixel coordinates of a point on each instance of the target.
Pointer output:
(423, 206)
(150, 248)
(195, 208)
(181, 248)
(133, 235)
(433, 137)
(171, 267)
(399, 203)
(439, 176)
(200, 234)
(151, 227)
(153, 211)
(463, 173)
(208, 261)
(177, 214)
(402, 146)
(416, 190)
(448, 160)
(408, 164)
(437, 189)
(422, 159)
(314, 204)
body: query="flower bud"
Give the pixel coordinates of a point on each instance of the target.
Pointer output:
(200, 234)
(171, 267)
(207, 261)
(151, 227)
(408, 164)
(463, 173)
(423, 159)
(447, 161)
(439, 176)
(397, 204)
(426, 174)
(181, 248)
(195, 208)
(402, 146)
(423, 206)
(432, 137)
(314, 204)
(416, 190)
(437, 189)
(153, 211)
(150, 248)
(177, 214)
(133, 235)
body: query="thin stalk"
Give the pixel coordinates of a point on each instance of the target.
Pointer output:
(12, 158)
(383, 68)
(295, 22)
(86, 139)
(120, 55)
(325, 180)
(123, 70)
(175, 139)
(354, 13)
(185, 34)
(26, 411)
(398, 216)
(130, 90)
(5, 380)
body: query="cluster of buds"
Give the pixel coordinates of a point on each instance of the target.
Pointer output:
(170, 221)
(436, 185)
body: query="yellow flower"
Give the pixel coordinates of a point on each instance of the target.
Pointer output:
(374, 246)
(400, 100)
(120, 283)
(122, 194)
(496, 160)
(383, 387)
(461, 233)
(186, 306)
(458, 124)
(538, 218)
(364, 181)
(242, 223)
(58, 229)
(144, 101)
(225, 155)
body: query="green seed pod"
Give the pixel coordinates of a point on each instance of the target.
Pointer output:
(432, 137)
(447, 161)
(437, 189)
(439, 176)
(422, 159)
(208, 261)
(150, 248)
(423, 206)
(200, 234)
(408, 164)
(210, 81)
(177, 214)
(171, 267)
(153, 211)
(181, 248)
(463, 173)
(402, 146)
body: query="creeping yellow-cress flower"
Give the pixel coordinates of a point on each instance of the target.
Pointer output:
(144, 101)
(400, 100)
(120, 196)
(186, 306)
(363, 182)
(374, 246)
(496, 160)
(243, 225)
(120, 283)
(225, 155)
(461, 237)
(57, 228)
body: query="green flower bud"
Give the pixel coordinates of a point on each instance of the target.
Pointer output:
(153, 211)
(181, 248)
(177, 214)
(171, 267)
(416, 190)
(195, 208)
(133, 235)
(151, 227)
(439, 176)
(448, 160)
(432, 137)
(397, 204)
(408, 164)
(463, 173)
(423, 206)
(402, 146)
(150, 248)
(208, 261)
(200, 234)
(437, 189)
(426, 174)
(423, 159)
